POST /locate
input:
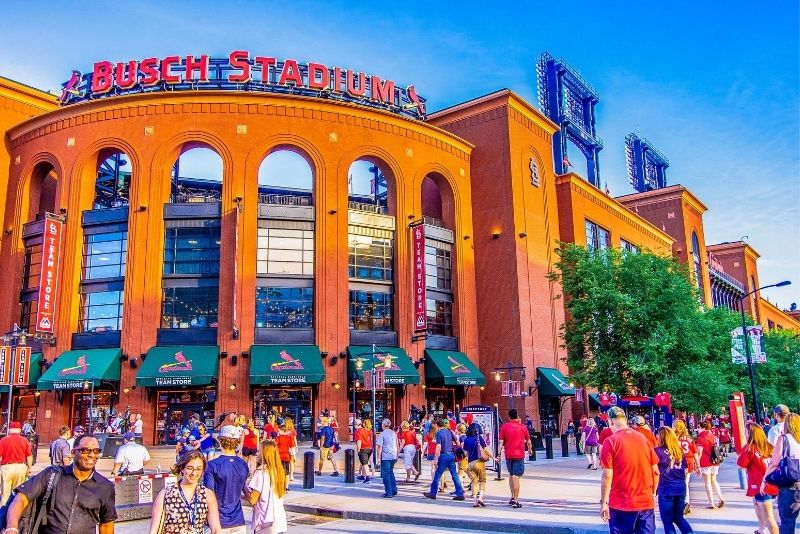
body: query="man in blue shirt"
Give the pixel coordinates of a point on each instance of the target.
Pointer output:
(327, 438)
(226, 476)
(444, 459)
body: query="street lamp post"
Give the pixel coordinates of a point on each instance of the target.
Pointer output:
(359, 363)
(509, 370)
(750, 368)
(16, 337)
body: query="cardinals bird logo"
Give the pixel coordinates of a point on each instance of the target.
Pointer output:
(181, 364)
(289, 363)
(382, 358)
(79, 369)
(414, 101)
(71, 87)
(457, 367)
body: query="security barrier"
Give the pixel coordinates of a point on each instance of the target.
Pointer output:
(135, 495)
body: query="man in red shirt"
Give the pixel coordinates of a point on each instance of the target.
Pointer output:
(16, 460)
(640, 425)
(630, 477)
(514, 438)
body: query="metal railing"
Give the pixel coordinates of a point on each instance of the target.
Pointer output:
(433, 221)
(190, 198)
(371, 208)
(284, 200)
(727, 278)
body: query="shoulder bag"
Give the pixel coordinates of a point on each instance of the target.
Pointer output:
(36, 512)
(788, 471)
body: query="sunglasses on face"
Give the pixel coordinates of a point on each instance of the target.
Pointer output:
(87, 451)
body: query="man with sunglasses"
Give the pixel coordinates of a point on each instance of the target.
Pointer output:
(81, 500)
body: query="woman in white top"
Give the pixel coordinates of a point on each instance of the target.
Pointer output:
(267, 488)
(788, 496)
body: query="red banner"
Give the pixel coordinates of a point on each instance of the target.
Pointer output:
(51, 254)
(5, 364)
(737, 408)
(22, 367)
(420, 304)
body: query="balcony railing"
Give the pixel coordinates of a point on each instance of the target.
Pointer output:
(190, 198)
(370, 208)
(433, 221)
(726, 278)
(284, 200)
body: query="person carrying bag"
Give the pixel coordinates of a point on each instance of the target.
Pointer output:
(784, 471)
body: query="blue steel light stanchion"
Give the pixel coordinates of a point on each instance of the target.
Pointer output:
(15, 337)
(749, 360)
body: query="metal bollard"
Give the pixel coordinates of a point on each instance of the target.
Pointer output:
(742, 478)
(418, 461)
(564, 446)
(532, 454)
(548, 447)
(350, 466)
(308, 470)
(578, 448)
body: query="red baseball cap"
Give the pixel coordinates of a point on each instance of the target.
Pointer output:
(16, 424)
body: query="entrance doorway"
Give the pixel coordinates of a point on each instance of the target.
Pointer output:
(175, 409)
(283, 402)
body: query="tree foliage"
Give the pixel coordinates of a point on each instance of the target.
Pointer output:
(634, 324)
(778, 379)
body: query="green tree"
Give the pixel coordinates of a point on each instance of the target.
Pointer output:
(634, 324)
(778, 379)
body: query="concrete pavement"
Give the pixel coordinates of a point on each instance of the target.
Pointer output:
(558, 496)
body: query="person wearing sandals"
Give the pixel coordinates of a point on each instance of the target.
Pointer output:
(672, 465)
(590, 444)
(188, 506)
(409, 445)
(477, 454)
(754, 458)
(705, 444)
(629, 479)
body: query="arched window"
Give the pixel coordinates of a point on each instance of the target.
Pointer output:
(439, 295)
(197, 175)
(285, 177)
(696, 261)
(113, 182)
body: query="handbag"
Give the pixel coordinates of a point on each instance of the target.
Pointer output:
(788, 471)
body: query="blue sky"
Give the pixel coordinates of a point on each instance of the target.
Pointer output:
(716, 87)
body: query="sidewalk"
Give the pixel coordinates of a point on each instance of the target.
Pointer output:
(558, 496)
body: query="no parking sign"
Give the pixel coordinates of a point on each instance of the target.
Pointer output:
(145, 490)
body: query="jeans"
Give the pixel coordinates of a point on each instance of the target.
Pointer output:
(641, 522)
(788, 508)
(671, 511)
(387, 475)
(447, 461)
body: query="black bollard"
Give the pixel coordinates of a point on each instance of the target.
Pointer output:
(308, 470)
(532, 454)
(418, 461)
(564, 446)
(548, 447)
(350, 466)
(578, 448)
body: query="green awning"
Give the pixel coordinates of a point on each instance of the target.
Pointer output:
(35, 374)
(286, 364)
(451, 368)
(594, 400)
(75, 368)
(402, 370)
(179, 365)
(553, 383)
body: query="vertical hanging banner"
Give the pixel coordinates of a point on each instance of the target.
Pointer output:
(22, 367)
(420, 303)
(51, 255)
(5, 364)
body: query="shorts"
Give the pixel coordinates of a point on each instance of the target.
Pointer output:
(710, 470)
(363, 456)
(285, 466)
(591, 449)
(409, 453)
(515, 466)
(325, 453)
(246, 451)
(762, 497)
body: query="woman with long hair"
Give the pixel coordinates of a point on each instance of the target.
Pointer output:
(590, 443)
(671, 489)
(267, 488)
(430, 449)
(188, 506)
(754, 458)
(293, 450)
(690, 452)
(789, 496)
(408, 444)
(705, 444)
(474, 446)
(250, 445)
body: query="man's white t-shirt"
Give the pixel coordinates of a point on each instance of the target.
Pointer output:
(132, 456)
(138, 425)
(774, 433)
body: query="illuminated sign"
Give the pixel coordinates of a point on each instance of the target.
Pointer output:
(241, 72)
(51, 253)
(420, 303)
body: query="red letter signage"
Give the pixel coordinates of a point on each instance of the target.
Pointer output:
(5, 364)
(22, 367)
(420, 304)
(51, 253)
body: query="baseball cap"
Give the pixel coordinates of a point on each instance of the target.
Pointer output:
(230, 431)
(78, 429)
(129, 436)
(186, 430)
(16, 425)
(781, 409)
(616, 412)
(638, 420)
(358, 422)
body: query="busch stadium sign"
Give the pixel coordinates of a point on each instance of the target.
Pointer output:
(241, 72)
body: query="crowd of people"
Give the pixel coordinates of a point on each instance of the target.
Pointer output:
(640, 468)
